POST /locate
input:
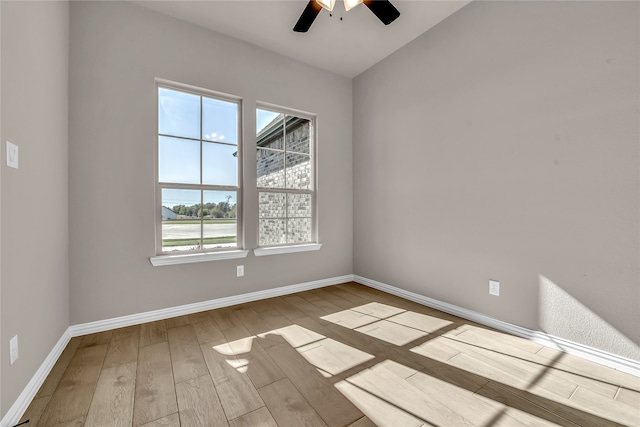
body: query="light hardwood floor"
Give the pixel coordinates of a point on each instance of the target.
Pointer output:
(344, 355)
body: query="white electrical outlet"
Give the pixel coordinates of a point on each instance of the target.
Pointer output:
(12, 155)
(240, 270)
(13, 349)
(494, 287)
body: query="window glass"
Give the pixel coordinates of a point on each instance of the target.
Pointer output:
(198, 171)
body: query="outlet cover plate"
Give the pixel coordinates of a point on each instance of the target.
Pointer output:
(12, 155)
(494, 287)
(240, 270)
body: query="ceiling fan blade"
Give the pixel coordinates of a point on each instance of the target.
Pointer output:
(383, 9)
(308, 16)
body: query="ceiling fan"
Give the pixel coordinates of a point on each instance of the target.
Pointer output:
(383, 9)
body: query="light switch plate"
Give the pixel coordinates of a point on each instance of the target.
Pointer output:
(12, 155)
(13, 350)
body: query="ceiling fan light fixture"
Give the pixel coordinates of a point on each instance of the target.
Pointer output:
(350, 4)
(327, 4)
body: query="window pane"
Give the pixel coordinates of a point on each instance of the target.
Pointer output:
(219, 164)
(272, 232)
(219, 121)
(269, 132)
(299, 230)
(298, 171)
(180, 220)
(270, 168)
(220, 219)
(178, 160)
(272, 205)
(178, 113)
(298, 135)
(299, 205)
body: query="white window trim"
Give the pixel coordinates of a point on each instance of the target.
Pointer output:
(276, 250)
(162, 260)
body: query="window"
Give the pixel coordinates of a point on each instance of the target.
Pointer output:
(198, 170)
(285, 177)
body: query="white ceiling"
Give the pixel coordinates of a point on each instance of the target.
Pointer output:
(346, 47)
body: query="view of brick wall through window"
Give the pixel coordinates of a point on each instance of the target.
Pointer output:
(284, 161)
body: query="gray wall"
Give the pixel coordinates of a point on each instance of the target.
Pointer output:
(35, 268)
(503, 144)
(116, 51)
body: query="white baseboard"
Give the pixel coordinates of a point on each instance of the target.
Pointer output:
(165, 313)
(620, 363)
(19, 407)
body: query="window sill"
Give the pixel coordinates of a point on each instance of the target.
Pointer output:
(160, 260)
(275, 250)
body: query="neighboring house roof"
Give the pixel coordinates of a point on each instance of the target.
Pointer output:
(274, 129)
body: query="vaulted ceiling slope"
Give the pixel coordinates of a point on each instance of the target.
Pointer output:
(346, 46)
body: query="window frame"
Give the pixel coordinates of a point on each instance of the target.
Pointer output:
(196, 254)
(313, 244)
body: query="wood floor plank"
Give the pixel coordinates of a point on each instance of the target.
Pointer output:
(363, 422)
(225, 318)
(493, 393)
(155, 395)
(153, 333)
(96, 339)
(614, 410)
(392, 333)
(53, 379)
(207, 331)
(421, 322)
(237, 393)
(288, 407)
(35, 410)
(200, 316)
(305, 306)
(112, 403)
(350, 319)
(177, 321)
(512, 372)
(186, 357)
(308, 296)
(590, 369)
(76, 422)
(72, 397)
(260, 368)
(333, 357)
(252, 320)
(287, 310)
(199, 404)
(378, 410)
(123, 348)
(560, 407)
(172, 420)
(459, 400)
(295, 335)
(630, 397)
(385, 384)
(274, 319)
(332, 406)
(377, 348)
(333, 299)
(258, 418)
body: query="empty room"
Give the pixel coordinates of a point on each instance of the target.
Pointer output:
(319, 213)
